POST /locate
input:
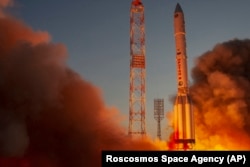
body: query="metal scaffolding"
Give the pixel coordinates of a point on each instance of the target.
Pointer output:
(158, 114)
(137, 93)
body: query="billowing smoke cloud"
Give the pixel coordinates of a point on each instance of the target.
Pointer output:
(221, 95)
(49, 116)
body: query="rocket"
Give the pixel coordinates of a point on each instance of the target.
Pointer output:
(184, 136)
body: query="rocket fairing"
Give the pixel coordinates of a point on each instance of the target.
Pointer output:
(184, 136)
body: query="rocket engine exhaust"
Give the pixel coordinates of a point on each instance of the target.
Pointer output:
(184, 137)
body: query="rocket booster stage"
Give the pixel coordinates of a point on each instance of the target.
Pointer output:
(183, 113)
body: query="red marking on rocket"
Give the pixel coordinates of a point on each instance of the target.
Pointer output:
(184, 136)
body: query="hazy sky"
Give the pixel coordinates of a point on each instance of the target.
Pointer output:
(96, 34)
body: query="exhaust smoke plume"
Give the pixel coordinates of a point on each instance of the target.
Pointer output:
(221, 96)
(49, 116)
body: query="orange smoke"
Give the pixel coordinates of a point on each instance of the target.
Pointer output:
(49, 115)
(15, 33)
(221, 96)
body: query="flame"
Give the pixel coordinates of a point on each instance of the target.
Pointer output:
(63, 121)
(220, 93)
(221, 98)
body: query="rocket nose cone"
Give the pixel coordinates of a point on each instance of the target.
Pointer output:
(178, 8)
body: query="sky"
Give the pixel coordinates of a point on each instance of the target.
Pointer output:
(96, 34)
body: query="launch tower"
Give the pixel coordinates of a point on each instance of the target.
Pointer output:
(158, 114)
(137, 94)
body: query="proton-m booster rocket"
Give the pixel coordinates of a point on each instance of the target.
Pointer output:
(184, 136)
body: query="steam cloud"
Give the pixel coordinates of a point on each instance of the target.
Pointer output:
(221, 95)
(49, 116)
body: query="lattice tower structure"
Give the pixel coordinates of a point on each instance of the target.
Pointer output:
(137, 92)
(159, 114)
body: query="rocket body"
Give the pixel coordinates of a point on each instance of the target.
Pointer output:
(184, 136)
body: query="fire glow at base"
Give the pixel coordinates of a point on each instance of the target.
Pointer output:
(47, 108)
